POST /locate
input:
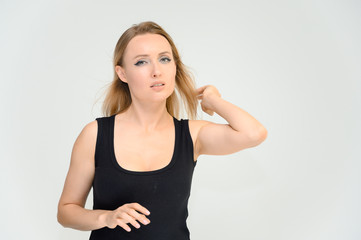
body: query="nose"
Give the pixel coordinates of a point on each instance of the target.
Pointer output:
(156, 70)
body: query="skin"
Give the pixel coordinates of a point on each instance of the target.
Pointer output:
(145, 123)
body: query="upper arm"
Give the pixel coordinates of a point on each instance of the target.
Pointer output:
(222, 139)
(81, 170)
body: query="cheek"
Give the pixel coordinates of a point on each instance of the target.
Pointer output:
(173, 76)
(173, 71)
(138, 77)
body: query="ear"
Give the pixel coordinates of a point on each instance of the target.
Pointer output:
(121, 73)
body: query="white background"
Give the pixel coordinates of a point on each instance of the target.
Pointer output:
(293, 65)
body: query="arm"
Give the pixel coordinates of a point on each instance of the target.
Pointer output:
(242, 131)
(71, 211)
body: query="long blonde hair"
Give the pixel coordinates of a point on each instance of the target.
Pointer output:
(118, 97)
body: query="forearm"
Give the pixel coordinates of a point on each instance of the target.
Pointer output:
(237, 118)
(77, 217)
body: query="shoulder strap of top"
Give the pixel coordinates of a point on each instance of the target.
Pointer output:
(188, 140)
(102, 139)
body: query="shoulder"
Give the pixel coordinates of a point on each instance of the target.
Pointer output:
(194, 127)
(91, 128)
(88, 134)
(197, 124)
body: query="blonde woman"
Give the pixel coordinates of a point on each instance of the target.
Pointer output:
(139, 158)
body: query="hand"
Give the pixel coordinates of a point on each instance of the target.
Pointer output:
(127, 214)
(205, 94)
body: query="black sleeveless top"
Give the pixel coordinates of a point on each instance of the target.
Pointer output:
(164, 192)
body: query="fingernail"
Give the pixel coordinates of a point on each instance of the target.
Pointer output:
(146, 221)
(138, 226)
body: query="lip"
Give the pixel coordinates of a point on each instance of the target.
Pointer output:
(157, 82)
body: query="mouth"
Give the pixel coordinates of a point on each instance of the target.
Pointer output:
(157, 85)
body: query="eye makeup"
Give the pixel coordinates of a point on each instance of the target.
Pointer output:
(163, 60)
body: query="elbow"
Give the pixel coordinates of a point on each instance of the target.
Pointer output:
(263, 134)
(259, 136)
(60, 217)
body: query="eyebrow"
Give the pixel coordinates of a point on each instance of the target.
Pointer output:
(146, 55)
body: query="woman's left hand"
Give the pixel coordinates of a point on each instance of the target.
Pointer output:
(206, 95)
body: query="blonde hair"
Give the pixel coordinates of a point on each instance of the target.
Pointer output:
(118, 97)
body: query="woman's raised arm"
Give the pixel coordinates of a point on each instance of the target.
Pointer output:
(242, 131)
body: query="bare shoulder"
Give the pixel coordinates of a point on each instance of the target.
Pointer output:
(91, 128)
(195, 125)
(86, 140)
(88, 134)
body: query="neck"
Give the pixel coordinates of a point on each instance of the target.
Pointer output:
(149, 117)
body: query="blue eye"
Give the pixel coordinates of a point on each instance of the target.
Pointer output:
(141, 62)
(165, 59)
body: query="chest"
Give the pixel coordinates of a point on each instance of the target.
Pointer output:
(143, 152)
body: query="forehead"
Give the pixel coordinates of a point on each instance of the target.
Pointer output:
(147, 44)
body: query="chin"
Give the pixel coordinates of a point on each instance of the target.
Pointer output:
(162, 96)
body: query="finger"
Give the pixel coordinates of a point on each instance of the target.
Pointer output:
(201, 89)
(123, 225)
(131, 220)
(140, 217)
(140, 208)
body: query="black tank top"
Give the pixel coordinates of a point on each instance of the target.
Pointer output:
(164, 192)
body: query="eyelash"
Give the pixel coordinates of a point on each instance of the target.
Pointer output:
(141, 61)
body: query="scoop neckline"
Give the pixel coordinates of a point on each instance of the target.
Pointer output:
(119, 167)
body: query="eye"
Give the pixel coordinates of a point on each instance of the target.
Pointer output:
(140, 62)
(165, 60)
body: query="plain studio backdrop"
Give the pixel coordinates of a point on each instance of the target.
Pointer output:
(294, 65)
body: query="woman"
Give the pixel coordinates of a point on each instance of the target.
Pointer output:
(140, 158)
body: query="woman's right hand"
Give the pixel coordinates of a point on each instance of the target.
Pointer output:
(127, 213)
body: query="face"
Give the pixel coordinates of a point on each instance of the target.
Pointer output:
(148, 59)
